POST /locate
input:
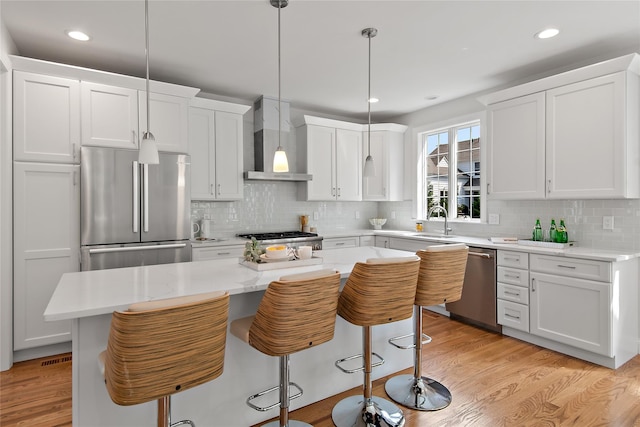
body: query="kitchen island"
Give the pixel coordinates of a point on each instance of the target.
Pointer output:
(89, 298)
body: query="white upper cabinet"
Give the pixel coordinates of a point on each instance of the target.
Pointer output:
(333, 156)
(591, 152)
(515, 154)
(109, 116)
(570, 136)
(169, 120)
(116, 117)
(387, 150)
(216, 147)
(46, 118)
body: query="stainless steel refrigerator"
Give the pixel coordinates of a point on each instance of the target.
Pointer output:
(133, 214)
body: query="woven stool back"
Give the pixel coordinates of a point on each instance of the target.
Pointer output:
(441, 275)
(294, 315)
(169, 348)
(379, 293)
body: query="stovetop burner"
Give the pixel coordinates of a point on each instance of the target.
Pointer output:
(278, 235)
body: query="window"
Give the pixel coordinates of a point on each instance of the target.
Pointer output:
(450, 175)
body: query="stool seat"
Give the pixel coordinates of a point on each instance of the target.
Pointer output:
(297, 312)
(158, 348)
(442, 271)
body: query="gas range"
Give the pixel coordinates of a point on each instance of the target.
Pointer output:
(290, 238)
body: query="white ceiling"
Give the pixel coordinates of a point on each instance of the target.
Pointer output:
(447, 49)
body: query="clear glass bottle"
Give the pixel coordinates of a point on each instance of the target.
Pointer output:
(537, 231)
(553, 231)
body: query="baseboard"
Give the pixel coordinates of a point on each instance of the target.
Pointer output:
(44, 351)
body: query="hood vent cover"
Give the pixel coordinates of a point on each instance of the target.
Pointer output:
(265, 141)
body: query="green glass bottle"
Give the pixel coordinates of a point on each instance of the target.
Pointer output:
(537, 231)
(553, 231)
(563, 236)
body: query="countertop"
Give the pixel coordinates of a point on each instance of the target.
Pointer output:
(484, 242)
(91, 293)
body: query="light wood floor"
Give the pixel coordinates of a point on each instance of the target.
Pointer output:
(495, 381)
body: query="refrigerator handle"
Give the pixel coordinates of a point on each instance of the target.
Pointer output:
(136, 196)
(145, 197)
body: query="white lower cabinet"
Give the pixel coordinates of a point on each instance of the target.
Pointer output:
(216, 252)
(340, 242)
(410, 245)
(573, 311)
(513, 289)
(382, 242)
(367, 240)
(46, 245)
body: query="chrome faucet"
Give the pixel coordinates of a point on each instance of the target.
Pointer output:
(446, 216)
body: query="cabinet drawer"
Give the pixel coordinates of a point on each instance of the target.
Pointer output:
(513, 259)
(343, 242)
(367, 240)
(573, 267)
(513, 293)
(513, 315)
(513, 276)
(216, 252)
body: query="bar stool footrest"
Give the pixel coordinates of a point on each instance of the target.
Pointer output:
(426, 339)
(271, 390)
(380, 362)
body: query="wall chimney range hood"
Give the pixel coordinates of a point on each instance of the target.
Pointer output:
(265, 141)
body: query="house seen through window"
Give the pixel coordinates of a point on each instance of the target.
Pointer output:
(450, 176)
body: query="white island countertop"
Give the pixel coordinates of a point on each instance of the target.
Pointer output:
(91, 293)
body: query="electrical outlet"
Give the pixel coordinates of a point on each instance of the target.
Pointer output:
(494, 219)
(316, 216)
(607, 223)
(357, 214)
(393, 214)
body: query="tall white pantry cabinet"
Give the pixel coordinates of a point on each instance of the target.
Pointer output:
(46, 201)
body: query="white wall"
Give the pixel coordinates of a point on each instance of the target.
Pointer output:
(6, 234)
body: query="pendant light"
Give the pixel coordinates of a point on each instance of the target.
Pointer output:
(148, 153)
(369, 167)
(280, 163)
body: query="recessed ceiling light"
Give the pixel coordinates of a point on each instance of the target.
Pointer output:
(78, 35)
(547, 33)
(373, 100)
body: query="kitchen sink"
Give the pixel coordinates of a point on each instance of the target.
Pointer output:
(434, 235)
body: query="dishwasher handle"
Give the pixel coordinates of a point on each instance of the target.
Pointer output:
(481, 254)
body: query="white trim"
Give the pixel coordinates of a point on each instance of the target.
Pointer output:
(212, 104)
(6, 221)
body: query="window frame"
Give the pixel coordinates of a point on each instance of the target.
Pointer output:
(419, 133)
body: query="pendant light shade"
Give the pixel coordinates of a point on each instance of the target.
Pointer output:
(148, 153)
(369, 167)
(280, 162)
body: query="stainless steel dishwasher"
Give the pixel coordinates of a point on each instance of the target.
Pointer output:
(478, 303)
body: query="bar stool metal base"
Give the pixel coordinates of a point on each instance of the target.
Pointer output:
(378, 412)
(423, 394)
(292, 423)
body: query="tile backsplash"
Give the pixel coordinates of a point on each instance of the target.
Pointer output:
(274, 206)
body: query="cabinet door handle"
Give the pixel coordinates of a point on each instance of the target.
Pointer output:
(488, 188)
(338, 191)
(507, 258)
(533, 285)
(340, 244)
(513, 276)
(133, 137)
(333, 191)
(571, 267)
(549, 186)
(224, 253)
(73, 151)
(211, 189)
(512, 316)
(219, 189)
(515, 294)
(384, 191)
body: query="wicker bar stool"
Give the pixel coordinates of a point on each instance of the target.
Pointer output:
(159, 348)
(377, 292)
(296, 312)
(442, 270)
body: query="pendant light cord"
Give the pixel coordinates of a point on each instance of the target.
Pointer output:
(369, 97)
(146, 33)
(279, 81)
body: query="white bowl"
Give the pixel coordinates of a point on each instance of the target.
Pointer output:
(276, 251)
(377, 222)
